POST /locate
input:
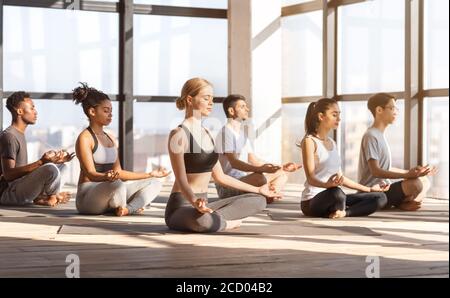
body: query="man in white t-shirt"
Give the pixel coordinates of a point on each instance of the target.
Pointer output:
(234, 143)
(375, 165)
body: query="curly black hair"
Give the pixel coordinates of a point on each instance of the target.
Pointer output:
(14, 100)
(88, 97)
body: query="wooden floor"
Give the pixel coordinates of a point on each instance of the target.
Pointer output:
(280, 242)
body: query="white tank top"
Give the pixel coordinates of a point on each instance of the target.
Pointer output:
(326, 162)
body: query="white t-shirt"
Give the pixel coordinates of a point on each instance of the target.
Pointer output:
(229, 141)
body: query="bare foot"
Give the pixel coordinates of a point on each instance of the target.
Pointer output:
(63, 197)
(233, 224)
(337, 214)
(412, 199)
(274, 199)
(410, 206)
(139, 211)
(50, 201)
(122, 211)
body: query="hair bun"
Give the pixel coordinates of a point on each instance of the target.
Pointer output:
(80, 93)
(181, 103)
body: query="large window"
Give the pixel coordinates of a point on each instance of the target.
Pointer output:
(436, 44)
(302, 54)
(436, 109)
(170, 50)
(436, 140)
(356, 118)
(293, 130)
(51, 50)
(58, 125)
(371, 47)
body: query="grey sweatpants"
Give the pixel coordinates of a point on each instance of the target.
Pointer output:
(101, 197)
(182, 216)
(44, 180)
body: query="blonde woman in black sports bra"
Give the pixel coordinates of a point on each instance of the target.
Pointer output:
(194, 162)
(101, 186)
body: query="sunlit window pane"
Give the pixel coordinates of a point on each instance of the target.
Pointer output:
(170, 50)
(371, 47)
(436, 44)
(51, 50)
(302, 54)
(436, 144)
(293, 124)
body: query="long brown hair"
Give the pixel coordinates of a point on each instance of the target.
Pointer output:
(312, 114)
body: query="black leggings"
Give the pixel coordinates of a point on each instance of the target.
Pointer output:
(182, 216)
(333, 199)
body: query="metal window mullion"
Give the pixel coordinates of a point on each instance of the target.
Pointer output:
(315, 5)
(126, 84)
(413, 78)
(435, 92)
(164, 10)
(55, 95)
(112, 97)
(98, 6)
(329, 63)
(301, 8)
(102, 6)
(421, 134)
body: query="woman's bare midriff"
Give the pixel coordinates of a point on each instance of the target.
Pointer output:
(198, 182)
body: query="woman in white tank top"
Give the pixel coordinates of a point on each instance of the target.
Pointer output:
(323, 196)
(101, 186)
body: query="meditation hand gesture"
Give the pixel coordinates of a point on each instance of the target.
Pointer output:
(65, 156)
(291, 167)
(433, 170)
(335, 180)
(51, 156)
(200, 205)
(380, 187)
(421, 171)
(159, 173)
(269, 191)
(425, 170)
(112, 175)
(268, 168)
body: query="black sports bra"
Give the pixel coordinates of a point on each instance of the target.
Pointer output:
(197, 160)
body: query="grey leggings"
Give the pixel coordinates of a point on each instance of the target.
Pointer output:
(182, 216)
(44, 180)
(101, 197)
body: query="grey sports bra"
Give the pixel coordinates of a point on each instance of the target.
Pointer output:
(104, 157)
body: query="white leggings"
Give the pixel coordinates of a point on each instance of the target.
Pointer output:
(102, 197)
